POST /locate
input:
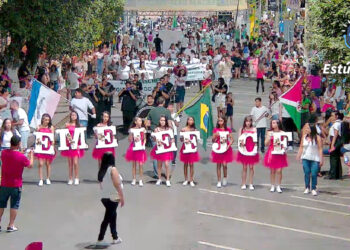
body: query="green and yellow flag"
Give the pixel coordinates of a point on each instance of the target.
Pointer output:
(202, 113)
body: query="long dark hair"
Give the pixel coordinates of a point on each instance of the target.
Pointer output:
(107, 161)
(247, 118)
(46, 115)
(313, 132)
(166, 121)
(3, 129)
(193, 125)
(109, 122)
(225, 122)
(279, 125)
(77, 124)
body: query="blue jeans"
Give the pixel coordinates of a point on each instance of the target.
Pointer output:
(261, 135)
(310, 167)
(24, 138)
(155, 166)
(83, 123)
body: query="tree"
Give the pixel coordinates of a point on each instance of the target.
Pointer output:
(58, 27)
(325, 30)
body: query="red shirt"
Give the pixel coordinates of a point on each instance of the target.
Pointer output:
(13, 163)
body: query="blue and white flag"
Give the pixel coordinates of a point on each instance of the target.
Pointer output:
(42, 100)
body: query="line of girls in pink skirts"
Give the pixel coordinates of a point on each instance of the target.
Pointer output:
(275, 162)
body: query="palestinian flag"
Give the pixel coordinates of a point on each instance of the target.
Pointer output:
(291, 101)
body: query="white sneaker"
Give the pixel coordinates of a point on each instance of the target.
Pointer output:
(307, 191)
(314, 192)
(168, 184)
(243, 187)
(192, 184)
(159, 182)
(133, 182)
(290, 148)
(185, 183)
(224, 182)
(41, 183)
(279, 190)
(219, 184)
(251, 187)
(70, 182)
(76, 181)
(117, 241)
(48, 182)
(272, 189)
(140, 183)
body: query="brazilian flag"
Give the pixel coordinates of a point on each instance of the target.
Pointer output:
(202, 113)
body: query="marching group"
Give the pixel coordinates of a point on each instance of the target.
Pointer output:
(87, 77)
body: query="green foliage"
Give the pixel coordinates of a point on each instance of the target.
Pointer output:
(59, 27)
(325, 27)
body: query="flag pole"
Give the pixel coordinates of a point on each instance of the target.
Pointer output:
(190, 102)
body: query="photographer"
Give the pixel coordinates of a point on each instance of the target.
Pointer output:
(13, 163)
(160, 91)
(129, 95)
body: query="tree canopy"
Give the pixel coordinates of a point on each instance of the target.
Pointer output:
(58, 27)
(326, 24)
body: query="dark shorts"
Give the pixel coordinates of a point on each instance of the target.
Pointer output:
(10, 192)
(180, 94)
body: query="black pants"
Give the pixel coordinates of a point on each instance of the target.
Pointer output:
(262, 85)
(91, 124)
(335, 169)
(128, 116)
(110, 218)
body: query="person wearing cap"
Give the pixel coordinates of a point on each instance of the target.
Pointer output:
(13, 163)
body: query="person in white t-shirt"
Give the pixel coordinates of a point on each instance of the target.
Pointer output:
(20, 119)
(174, 124)
(160, 71)
(81, 105)
(260, 114)
(6, 133)
(123, 71)
(172, 51)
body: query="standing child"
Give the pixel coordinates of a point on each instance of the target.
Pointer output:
(275, 162)
(251, 160)
(221, 159)
(188, 158)
(73, 155)
(45, 127)
(139, 156)
(161, 158)
(229, 109)
(174, 125)
(98, 153)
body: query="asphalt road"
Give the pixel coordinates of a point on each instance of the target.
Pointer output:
(204, 217)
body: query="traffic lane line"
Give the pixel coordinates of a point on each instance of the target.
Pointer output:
(217, 246)
(274, 226)
(275, 202)
(321, 201)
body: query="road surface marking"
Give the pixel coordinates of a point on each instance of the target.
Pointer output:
(274, 226)
(216, 246)
(276, 202)
(320, 201)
